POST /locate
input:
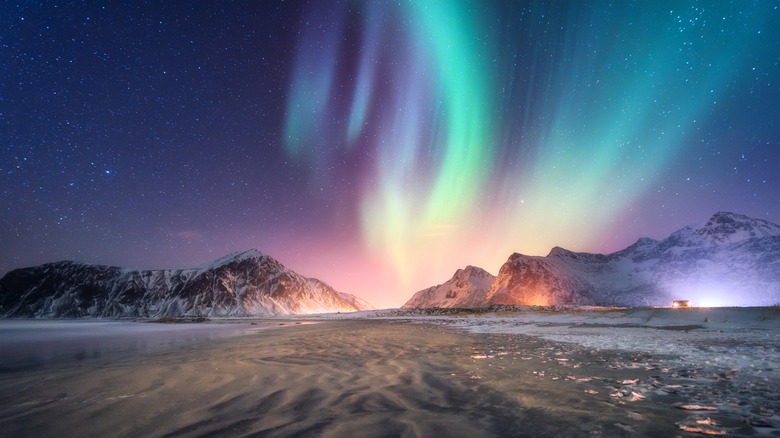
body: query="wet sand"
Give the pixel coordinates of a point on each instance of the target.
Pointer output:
(337, 378)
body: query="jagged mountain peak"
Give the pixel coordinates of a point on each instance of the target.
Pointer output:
(250, 253)
(557, 251)
(644, 242)
(643, 248)
(722, 228)
(467, 288)
(67, 264)
(470, 270)
(731, 227)
(727, 216)
(236, 256)
(563, 253)
(516, 256)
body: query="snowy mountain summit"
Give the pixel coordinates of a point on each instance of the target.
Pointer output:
(731, 260)
(467, 288)
(725, 228)
(248, 283)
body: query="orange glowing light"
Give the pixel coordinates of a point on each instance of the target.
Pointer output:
(539, 298)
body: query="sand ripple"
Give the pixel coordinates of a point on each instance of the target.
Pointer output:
(336, 379)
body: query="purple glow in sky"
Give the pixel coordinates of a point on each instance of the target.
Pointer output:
(378, 146)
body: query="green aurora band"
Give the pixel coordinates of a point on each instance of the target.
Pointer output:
(492, 128)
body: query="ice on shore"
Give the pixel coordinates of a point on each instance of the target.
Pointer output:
(721, 364)
(739, 338)
(562, 372)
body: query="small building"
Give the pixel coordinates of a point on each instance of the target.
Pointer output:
(678, 304)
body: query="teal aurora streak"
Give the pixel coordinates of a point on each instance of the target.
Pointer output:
(510, 123)
(483, 122)
(379, 145)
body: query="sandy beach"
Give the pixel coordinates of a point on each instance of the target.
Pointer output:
(373, 378)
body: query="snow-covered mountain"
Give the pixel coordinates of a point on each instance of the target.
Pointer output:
(730, 260)
(242, 284)
(467, 288)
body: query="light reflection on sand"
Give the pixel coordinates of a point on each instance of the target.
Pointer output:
(381, 378)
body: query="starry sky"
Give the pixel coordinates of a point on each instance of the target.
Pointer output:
(379, 146)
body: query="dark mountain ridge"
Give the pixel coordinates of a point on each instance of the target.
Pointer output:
(242, 284)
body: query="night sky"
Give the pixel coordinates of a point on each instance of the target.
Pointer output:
(379, 146)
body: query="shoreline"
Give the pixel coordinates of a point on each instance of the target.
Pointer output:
(384, 377)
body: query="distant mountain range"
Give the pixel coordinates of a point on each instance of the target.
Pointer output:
(730, 260)
(242, 284)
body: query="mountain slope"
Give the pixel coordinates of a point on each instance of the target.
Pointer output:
(242, 284)
(467, 288)
(730, 260)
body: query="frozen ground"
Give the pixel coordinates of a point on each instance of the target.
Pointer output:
(721, 364)
(517, 372)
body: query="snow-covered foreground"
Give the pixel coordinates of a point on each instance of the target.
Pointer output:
(721, 364)
(522, 373)
(744, 339)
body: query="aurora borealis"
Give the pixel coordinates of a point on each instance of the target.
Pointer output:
(380, 146)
